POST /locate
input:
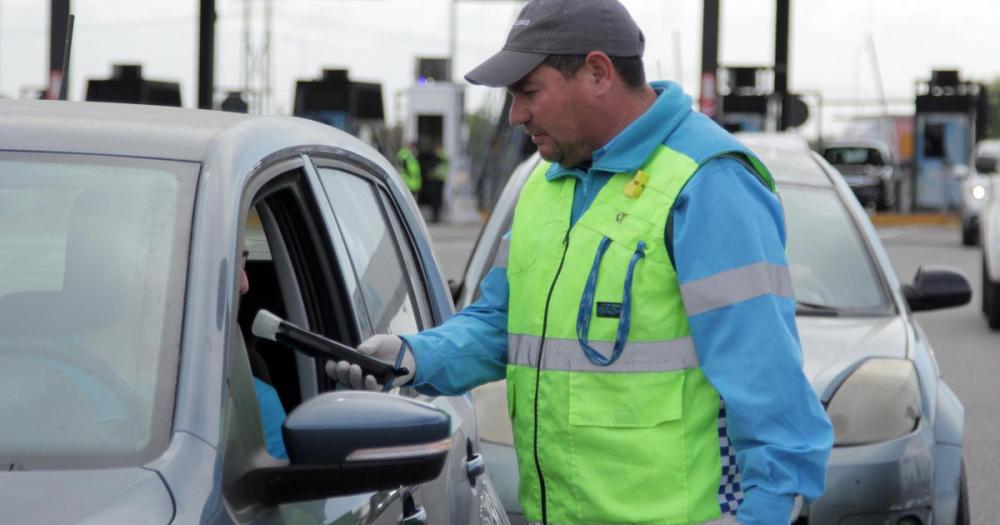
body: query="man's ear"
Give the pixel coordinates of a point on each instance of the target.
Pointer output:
(600, 70)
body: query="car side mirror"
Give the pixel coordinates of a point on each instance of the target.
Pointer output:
(937, 287)
(350, 442)
(986, 164)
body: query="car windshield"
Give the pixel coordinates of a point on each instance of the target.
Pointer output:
(832, 269)
(854, 155)
(94, 256)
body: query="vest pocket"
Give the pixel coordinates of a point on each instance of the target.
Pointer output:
(625, 400)
(627, 448)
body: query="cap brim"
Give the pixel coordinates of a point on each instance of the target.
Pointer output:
(504, 68)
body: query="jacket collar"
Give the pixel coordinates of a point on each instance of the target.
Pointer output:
(629, 150)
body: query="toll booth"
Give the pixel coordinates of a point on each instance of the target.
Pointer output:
(434, 115)
(127, 85)
(947, 125)
(349, 105)
(435, 107)
(745, 91)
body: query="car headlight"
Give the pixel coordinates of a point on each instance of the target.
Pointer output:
(879, 401)
(978, 192)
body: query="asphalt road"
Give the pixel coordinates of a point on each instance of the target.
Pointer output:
(967, 351)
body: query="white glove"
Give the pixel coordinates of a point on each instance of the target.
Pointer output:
(383, 347)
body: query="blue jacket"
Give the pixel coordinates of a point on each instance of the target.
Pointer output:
(724, 218)
(272, 416)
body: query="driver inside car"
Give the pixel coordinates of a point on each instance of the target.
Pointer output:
(272, 413)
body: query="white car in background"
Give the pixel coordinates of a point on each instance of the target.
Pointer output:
(896, 458)
(988, 164)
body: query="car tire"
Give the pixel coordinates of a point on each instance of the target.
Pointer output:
(886, 197)
(991, 299)
(962, 516)
(970, 235)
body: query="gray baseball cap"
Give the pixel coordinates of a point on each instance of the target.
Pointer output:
(560, 27)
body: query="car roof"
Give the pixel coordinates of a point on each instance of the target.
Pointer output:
(988, 147)
(137, 130)
(788, 157)
(113, 129)
(773, 141)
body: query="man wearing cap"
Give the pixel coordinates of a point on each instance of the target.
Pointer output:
(644, 317)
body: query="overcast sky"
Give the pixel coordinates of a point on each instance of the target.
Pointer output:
(379, 39)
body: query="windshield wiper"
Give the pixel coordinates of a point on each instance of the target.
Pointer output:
(806, 308)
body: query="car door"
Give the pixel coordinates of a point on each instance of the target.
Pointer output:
(295, 269)
(395, 291)
(490, 400)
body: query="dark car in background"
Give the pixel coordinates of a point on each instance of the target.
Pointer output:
(899, 428)
(126, 361)
(868, 168)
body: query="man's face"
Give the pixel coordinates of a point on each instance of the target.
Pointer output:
(552, 109)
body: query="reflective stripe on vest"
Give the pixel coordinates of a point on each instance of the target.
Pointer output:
(566, 355)
(736, 285)
(725, 520)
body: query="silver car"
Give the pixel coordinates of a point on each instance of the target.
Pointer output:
(868, 168)
(128, 373)
(897, 456)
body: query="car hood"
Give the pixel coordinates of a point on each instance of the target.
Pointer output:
(90, 497)
(833, 346)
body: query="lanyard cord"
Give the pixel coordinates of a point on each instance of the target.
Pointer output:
(587, 306)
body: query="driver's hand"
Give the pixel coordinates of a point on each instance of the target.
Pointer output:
(384, 347)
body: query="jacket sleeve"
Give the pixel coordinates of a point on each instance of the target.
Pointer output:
(728, 238)
(469, 349)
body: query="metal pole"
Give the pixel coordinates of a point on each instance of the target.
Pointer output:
(710, 59)
(1, 47)
(58, 22)
(781, 21)
(250, 92)
(265, 59)
(206, 54)
(452, 24)
(63, 86)
(678, 65)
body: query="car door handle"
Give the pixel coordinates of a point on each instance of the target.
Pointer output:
(475, 465)
(412, 513)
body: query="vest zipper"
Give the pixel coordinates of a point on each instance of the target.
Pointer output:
(538, 375)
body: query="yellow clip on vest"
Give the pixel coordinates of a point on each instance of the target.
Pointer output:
(635, 186)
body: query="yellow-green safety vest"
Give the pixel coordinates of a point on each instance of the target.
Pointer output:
(610, 409)
(410, 169)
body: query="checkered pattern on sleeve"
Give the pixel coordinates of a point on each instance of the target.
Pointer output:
(730, 493)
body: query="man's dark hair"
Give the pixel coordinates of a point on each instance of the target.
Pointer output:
(630, 69)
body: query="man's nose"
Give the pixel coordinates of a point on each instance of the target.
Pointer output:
(518, 114)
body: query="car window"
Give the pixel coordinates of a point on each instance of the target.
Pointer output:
(373, 252)
(853, 155)
(829, 262)
(94, 254)
(413, 271)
